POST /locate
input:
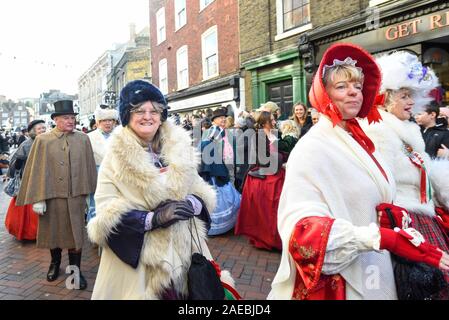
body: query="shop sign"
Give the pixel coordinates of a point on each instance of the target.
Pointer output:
(216, 97)
(433, 22)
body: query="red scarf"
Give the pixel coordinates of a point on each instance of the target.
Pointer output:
(359, 135)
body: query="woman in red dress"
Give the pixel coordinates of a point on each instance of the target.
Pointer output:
(257, 218)
(21, 221)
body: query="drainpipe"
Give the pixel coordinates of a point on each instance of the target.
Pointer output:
(270, 42)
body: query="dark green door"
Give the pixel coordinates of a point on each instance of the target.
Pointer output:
(282, 94)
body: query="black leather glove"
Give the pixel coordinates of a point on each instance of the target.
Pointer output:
(169, 212)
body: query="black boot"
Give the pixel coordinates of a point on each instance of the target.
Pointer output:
(75, 259)
(53, 271)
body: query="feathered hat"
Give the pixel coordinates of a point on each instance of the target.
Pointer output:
(105, 113)
(401, 69)
(423, 96)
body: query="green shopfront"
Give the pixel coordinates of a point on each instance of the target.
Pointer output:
(279, 78)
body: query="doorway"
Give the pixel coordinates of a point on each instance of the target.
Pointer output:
(282, 94)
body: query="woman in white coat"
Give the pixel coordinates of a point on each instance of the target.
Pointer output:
(149, 200)
(106, 120)
(327, 219)
(420, 182)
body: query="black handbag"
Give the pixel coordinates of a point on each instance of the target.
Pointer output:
(416, 280)
(203, 280)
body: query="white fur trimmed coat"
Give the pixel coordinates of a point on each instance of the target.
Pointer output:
(128, 180)
(99, 144)
(389, 136)
(330, 175)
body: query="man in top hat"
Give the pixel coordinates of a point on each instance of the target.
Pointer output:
(60, 172)
(106, 120)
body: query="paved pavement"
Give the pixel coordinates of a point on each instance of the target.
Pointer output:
(23, 267)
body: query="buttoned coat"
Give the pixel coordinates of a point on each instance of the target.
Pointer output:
(61, 171)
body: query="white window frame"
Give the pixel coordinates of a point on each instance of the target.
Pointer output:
(180, 10)
(163, 75)
(203, 4)
(373, 3)
(182, 64)
(160, 25)
(207, 33)
(281, 34)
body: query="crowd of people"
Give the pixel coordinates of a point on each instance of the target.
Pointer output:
(355, 182)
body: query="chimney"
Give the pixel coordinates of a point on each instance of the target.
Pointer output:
(132, 33)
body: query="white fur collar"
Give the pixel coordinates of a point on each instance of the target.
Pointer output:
(133, 164)
(407, 131)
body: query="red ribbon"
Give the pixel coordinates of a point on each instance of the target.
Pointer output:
(379, 100)
(217, 267)
(417, 164)
(359, 135)
(232, 290)
(333, 113)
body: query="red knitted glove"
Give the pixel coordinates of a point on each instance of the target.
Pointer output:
(443, 217)
(400, 216)
(409, 244)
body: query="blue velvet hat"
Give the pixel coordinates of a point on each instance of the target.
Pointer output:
(138, 91)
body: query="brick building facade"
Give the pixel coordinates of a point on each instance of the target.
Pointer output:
(195, 52)
(269, 51)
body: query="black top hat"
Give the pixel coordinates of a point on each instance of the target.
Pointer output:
(63, 107)
(220, 112)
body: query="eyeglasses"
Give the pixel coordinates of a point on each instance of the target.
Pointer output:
(141, 113)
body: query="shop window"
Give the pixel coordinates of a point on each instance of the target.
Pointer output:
(438, 59)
